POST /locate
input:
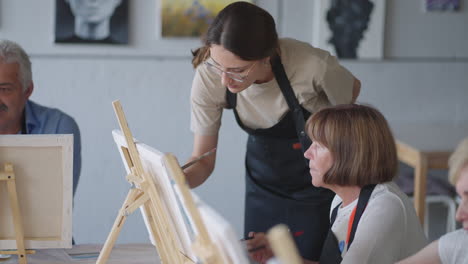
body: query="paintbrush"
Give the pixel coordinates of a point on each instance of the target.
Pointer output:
(190, 163)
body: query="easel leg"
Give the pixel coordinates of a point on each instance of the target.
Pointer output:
(161, 247)
(11, 186)
(118, 224)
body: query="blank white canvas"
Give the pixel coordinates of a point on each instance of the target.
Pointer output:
(372, 44)
(43, 168)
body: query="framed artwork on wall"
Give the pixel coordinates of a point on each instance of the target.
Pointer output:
(441, 5)
(350, 29)
(91, 21)
(189, 18)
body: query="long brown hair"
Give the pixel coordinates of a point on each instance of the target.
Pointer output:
(244, 29)
(360, 141)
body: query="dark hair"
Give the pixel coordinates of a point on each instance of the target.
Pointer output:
(360, 142)
(244, 29)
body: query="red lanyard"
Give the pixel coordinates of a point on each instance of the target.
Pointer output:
(350, 224)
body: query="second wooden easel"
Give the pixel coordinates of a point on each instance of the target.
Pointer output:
(144, 193)
(8, 176)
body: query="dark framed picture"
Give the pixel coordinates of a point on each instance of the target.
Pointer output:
(350, 29)
(91, 21)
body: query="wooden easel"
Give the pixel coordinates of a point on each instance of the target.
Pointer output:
(203, 247)
(144, 193)
(9, 177)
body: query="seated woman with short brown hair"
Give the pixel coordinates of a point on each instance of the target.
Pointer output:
(354, 155)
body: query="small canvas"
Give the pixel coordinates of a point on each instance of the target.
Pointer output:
(43, 168)
(220, 231)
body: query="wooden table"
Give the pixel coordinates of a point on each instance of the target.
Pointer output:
(87, 254)
(424, 147)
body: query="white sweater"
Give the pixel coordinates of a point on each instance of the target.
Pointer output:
(453, 247)
(389, 229)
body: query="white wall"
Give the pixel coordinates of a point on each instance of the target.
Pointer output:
(152, 78)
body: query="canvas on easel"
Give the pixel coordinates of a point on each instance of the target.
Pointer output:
(176, 221)
(221, 232)
(152, 161)
(42, 167)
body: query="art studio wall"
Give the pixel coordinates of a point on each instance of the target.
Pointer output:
(422, 78)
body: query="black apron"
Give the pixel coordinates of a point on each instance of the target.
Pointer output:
(331, 253)
(278, 182)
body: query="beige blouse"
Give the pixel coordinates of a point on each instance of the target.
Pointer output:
(318, 80)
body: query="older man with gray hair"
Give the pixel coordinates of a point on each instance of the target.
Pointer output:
(19, 115)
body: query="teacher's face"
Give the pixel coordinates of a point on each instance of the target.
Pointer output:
(229, 65)
(320, 161)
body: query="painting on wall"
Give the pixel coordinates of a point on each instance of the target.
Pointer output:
(91, 21)
(350, 29)
(189, 18)
(441, 5)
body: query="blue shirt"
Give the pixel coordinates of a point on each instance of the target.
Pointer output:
(43, 120)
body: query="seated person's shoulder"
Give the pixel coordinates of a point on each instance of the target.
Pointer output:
(453, 246)
(388, 196)
(50, 117)
(41, 110)
(460, 235)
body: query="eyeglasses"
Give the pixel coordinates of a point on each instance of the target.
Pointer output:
(231, 75)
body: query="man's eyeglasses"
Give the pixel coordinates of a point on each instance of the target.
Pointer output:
(231, 75)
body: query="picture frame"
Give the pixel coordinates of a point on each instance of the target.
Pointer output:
(370, 42)
(99, 23)
(441, 5)
(189, 18)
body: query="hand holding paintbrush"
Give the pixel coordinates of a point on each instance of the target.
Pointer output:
(190, 163)
(258, 247)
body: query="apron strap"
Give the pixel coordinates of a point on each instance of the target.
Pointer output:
(364, 197)
(334, 213)
(231, 100)
(291, 100)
